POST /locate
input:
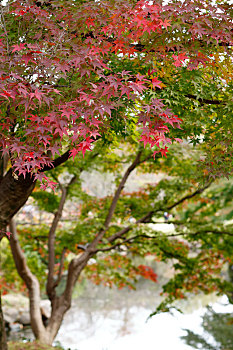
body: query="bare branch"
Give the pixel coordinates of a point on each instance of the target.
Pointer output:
(77, 264)
(74, 270)
(51, 245)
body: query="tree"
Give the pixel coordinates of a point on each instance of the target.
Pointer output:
(119, 223)
(217, 325)
(75, 71)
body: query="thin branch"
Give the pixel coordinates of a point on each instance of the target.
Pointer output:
(112, 208)
(183, 234)
(147, 218)
(120, 188)
(198, 191)
(209, 231)
(114, 246)
(62, 159)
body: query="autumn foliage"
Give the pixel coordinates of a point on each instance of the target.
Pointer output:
(63, 80)
(78, 76)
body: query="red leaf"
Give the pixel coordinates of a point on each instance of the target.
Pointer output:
(8, 233)
(19, 47)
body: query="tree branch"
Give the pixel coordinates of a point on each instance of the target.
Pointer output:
(77, 264)
(120, 188)
(205, 101)
(189, 196)
(112, 208)
(62, 159)
(58, 161)
(50, 287)
(133, 238)
(60, 268)
(147, 218)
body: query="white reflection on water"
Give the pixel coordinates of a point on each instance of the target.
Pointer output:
(161, 332)
(127, 329)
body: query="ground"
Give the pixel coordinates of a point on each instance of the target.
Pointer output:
(30, 346)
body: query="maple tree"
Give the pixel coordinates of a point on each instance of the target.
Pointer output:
(75, 71)
(125, 223)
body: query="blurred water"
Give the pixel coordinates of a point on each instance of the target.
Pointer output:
(127, 330)
(110, 319)
(125, 326)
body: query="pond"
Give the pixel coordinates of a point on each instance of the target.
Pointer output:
(109, 319)
(122, 323)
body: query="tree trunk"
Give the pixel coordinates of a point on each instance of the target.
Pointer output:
(3, 342)
(60, 305)
(14, 193)
(31, 282)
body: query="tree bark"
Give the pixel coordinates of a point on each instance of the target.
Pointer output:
(3, 339)
(62, 304)
(14, 193)
(3, 342)
(15, 190)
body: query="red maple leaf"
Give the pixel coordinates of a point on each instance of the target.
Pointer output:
(166, 23)
(164, 151)
(18, 47)
(156, 83)
(179, 59)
